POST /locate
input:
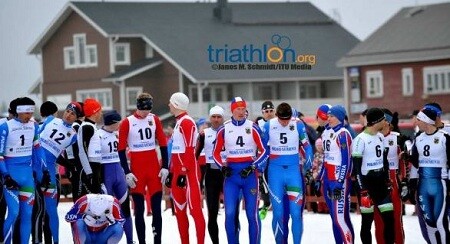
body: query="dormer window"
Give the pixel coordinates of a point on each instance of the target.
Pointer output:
(80, 55)
(122, 53)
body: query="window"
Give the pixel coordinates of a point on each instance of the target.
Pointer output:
(61, 100)
(436, 79)
(264, 91)
(80, 54)
(212, 93)
(132, 93)
(310, 90)
(407, 82)
(104, 96)
(374, 83)
(122, 51)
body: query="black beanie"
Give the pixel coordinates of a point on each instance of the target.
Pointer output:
(48, 108)
(374, 115)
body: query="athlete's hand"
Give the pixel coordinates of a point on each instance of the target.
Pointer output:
(309, 179)
(366, 200)
(404, 190)
(163, 173)
(335, 191)
(131, 180)
(317, 188)
(103, 189)
(10, 183)
(45, 182)
(226, 171)
(247, 171)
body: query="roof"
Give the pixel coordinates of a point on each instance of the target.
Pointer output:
(134, 69)
(419, 33)
(182, 33)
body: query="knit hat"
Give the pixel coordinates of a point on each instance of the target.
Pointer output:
(339, 112)
(267, 105)
(111, 117)
(24, 105)
(322, 111)
(216, 110)
(237, 102)
(48, 108)
(179, 101)
(144, 103)
(76, 108)
(91, 106)
(427, 115)
(374, 115)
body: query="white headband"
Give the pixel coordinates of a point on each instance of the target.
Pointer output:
(423, 117)
(25, 109)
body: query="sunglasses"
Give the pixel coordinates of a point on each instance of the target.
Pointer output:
(268, 111)
(216, 116)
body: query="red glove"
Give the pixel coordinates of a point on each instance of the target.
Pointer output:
(366, 201)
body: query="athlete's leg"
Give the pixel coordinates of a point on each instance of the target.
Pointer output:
(277, 192)
(111, 235)
(80, 232)
(194, 197)
(231, 198)
(213, 187)
(12, 201)
(120, 191)
(51, 201)
(2, 211)
(295, 193)
(139, 222)
(249, 190)
(38, 212)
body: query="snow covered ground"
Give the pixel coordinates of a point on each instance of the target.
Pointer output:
(317, 228)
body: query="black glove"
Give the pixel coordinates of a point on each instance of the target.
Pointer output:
(412, 190)
(404, 193)
(45, 182)
(92, 184)
(317, 188)
(10, 183)
(247, 171)
(168, 182)
(335, 194)
(309, 179)
(226, 171)
(181, 181)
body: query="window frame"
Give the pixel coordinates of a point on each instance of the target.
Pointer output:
(78, 52)
(374, 74)
(126, 48)
(94, 93)
(407, 72)
(138, 90)
(436, 73)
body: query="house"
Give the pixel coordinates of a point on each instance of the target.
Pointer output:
(402, 65)
(211, 51)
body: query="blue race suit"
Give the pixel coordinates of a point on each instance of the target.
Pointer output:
(285, 177)
(241, 140)
(55, 136)
(336, 179)
(19, 152)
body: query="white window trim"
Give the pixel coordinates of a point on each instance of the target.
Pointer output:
(126, 47)
(67, 64)
(106, 90)
(407, 72)
(432, 70)
(88, 62)
(374, 74)
(138, 89)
